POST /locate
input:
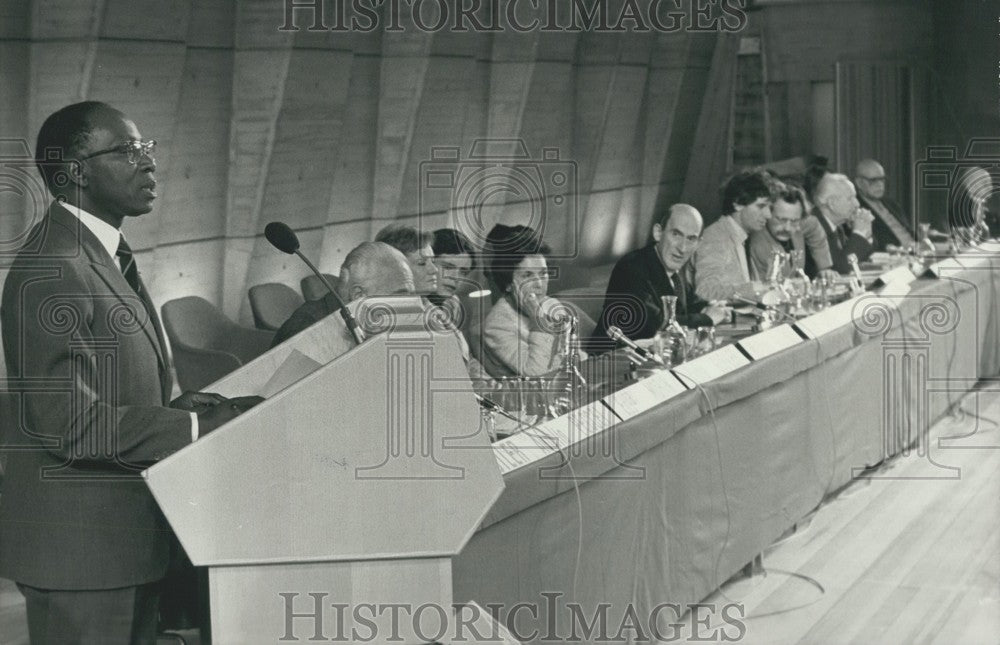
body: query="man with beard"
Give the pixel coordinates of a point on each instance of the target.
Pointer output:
(790, 229)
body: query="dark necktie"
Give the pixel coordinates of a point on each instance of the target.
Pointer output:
(678, 285)
(842, 235)
(127, 264)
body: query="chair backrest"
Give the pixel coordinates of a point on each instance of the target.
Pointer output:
(314, 289)
(272, 303)
(194, 322)
(588, 301)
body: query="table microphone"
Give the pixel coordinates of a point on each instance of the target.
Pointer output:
(616, 334)
(285, 240)
(763, 307)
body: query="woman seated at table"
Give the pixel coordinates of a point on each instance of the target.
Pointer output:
(521, 334)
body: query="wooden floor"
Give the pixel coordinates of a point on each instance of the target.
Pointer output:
(906, 560)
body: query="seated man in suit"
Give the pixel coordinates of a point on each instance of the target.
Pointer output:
(848, 227)
(721, 266)
(370, 269)
(890, 226)
(641, 277)
(790, 229)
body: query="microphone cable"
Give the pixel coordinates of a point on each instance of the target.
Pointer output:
(725, 542)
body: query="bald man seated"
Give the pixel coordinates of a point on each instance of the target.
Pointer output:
(641, 277)
(848, 227)
(370, 269)
(891, 226)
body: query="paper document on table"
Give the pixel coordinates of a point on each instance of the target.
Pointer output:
(589, 420)
(827, 320)
(900, 274)
(644, 395)
(296, 367)
(522, 449)
(770, 341)
(895, 292)
(948, 265)
(712, 365)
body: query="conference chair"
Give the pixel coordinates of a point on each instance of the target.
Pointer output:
(314, 289)
(207, 345)
(272, 303)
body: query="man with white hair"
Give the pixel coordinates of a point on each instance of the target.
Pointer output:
(370, 269)
(837, 202)
(890, 225)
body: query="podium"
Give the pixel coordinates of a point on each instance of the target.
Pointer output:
(331, 510)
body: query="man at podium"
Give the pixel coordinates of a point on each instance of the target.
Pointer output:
(90, 384)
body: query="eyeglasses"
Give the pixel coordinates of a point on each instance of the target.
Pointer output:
(794, 224)
(135, 150)
(873, 179)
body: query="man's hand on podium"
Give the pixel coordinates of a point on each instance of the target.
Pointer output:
(213, 410)
(196, 401)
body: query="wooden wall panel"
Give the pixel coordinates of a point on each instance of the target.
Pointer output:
(146, 20)
(709, 162)
(329, 130)
(804, 40)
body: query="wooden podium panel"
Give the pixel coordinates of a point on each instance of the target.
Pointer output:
(386, 601)
(377, 454)
(355, 482)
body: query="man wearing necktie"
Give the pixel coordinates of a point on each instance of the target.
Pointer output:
(890, 226)
(90, 381)
(639, 279)
(848, 226)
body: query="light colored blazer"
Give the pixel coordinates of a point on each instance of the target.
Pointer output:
(513, 347)
(89, 353)
(810, 238)
(718, 266)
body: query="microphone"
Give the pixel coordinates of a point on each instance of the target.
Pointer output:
(616, 334)
(763, 307)
(285, 240)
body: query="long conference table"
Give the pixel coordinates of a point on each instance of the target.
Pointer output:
(664, 491)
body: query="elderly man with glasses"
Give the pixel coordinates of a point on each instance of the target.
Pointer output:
(790, 228)
(890, 226)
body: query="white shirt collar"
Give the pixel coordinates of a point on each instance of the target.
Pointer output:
(106, 234)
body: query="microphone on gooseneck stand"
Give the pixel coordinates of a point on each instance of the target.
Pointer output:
(285, 240)
(615, 333)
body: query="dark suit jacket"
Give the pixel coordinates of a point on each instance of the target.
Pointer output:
(308, 314)
(632, 301)
(843, 244)
(881, 233)
(89, 379)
